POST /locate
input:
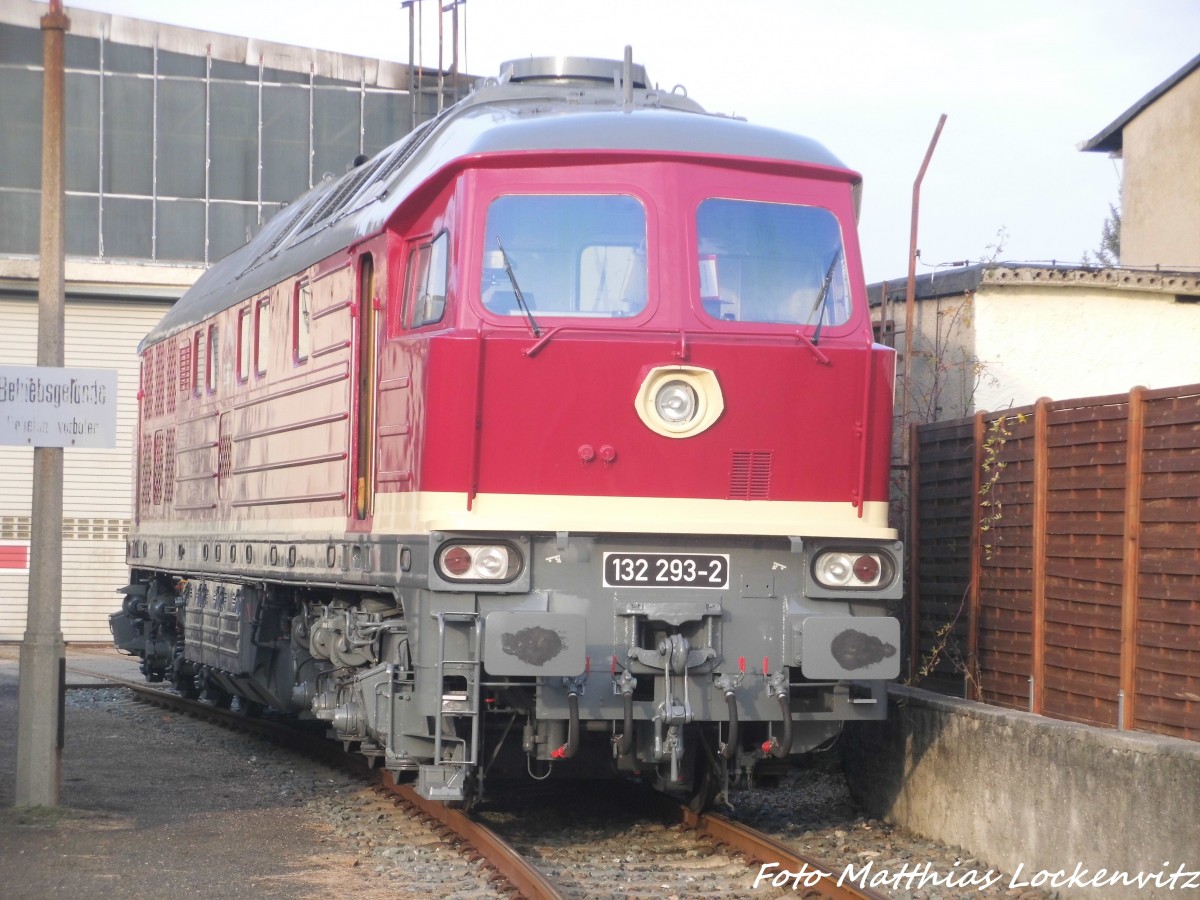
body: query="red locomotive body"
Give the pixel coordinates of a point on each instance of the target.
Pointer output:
(559, 410)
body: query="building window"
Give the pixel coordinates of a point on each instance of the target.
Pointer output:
(168, 158)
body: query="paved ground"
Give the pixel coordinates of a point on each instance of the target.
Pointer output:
(143, 813)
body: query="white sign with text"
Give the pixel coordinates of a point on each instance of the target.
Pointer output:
(53, 407)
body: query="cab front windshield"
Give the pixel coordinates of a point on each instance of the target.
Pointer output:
(771, 262)
(569, 255)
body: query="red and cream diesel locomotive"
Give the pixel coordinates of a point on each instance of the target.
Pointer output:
(552, 440)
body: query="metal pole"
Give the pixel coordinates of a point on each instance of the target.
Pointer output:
(454, 53)
(910, 296)
(258, 185)
(39, 716)
(441, 66)
(412, 93)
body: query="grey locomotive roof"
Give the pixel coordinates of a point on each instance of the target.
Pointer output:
(501, 115)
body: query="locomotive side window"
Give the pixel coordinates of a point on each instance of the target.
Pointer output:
(425, 286)
(302, 323)
(569, 255)
(243, 346)
(771, 262)
(214, 358)
(199, 362)
(262, 323)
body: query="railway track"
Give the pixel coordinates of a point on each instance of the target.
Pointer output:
(616, 840)
(707, 855)
(778, 865)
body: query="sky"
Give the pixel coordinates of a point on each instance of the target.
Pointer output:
(1022, 83)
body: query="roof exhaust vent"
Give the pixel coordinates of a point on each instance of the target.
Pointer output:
(571, 69)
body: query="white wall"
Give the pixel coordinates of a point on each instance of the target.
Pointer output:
(1066, 342)
(96, 483)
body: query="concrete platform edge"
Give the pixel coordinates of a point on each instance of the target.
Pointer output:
(1034, 796)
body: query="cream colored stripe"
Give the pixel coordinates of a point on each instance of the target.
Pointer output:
(412, 513)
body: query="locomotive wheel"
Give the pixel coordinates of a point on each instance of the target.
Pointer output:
(706, 781)
(184, 682)
(251, 709)
(211, 692)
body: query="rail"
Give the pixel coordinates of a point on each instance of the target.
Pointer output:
(500, 855)
(763, 849)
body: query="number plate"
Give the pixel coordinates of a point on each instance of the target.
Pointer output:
(682, 570)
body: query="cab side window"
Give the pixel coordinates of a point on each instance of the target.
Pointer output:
(425, 283)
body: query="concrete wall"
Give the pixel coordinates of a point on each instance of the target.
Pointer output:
(946, 370)
(1160, 190)
(1022, 333)
(1063, 342)
(1023, 792)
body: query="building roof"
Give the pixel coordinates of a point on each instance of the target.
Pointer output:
(952, 282)
(231, 48)
(1109, 140)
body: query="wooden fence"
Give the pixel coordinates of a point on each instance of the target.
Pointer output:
(1056, 552)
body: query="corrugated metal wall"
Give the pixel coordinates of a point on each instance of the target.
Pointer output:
(96, 483)
(1057, 557)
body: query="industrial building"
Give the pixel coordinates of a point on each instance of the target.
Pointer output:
(180, 145)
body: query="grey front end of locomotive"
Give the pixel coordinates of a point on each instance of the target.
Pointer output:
(741, 635)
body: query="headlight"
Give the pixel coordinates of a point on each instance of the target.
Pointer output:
(478, 562)
(675, 401)
(679, 401)
(845, 568)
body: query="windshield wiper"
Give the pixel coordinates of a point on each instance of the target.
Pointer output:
(533, 325)
(820, 304)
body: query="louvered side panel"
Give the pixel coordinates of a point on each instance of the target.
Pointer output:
(750, 475)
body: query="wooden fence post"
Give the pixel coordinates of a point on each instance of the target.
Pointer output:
(1131, 559)
(974, 689)
(1041, 480)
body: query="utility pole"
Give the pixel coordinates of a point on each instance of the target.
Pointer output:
(910, 319)
(43, 660)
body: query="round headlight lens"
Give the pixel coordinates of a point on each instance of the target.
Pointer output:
(491, 562)
(835, 569)
(676, 402)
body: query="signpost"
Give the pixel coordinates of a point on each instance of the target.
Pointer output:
(43, 656)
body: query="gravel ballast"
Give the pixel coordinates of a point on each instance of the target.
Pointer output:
(155, 804)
